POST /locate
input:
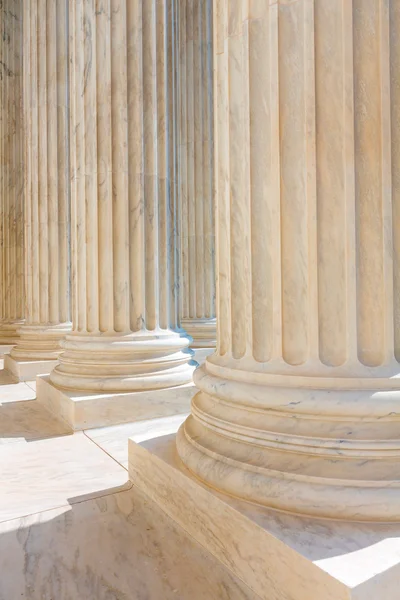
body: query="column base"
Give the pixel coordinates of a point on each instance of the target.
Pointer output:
(326, 447)
(9, 334)
(86, 410)
(117, 363)
(25, 370)
(202, 331)
(40, 343)
(276, 554)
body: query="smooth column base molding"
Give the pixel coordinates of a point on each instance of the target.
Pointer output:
(278, 555)
(26, 370)
(82, 410)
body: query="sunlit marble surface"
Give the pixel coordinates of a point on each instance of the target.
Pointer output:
(82, 410)
(278, 555)
(72, 527)
(116, 547)
(114, 440)
(54, 472)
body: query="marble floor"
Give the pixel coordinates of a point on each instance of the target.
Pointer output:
(72, 525)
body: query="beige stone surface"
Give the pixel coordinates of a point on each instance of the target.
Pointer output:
(77, 469)
(65, 532)
(298, 408)
(114, 440)
(115, 547)
(81, 410)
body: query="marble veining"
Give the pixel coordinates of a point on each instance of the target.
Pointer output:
(117, 547)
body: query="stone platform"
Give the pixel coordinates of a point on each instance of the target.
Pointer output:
(72, 525)
(278, 555)
(27, 370)
(80, 410)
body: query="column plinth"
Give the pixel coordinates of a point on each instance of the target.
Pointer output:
(298, 408)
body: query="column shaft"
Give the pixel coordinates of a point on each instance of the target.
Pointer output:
(196, 171)
(47, 307)
(12, 233)
(298, 409)
(125, 335)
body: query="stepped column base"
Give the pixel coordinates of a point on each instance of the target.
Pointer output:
(110, 379)
(9, 334)
(318, 446)
(37, 350)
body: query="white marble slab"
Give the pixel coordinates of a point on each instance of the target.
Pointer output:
(114, 440)
(118, 547)
(54, 472)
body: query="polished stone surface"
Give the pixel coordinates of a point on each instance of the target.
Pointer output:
(73, 527)
(114, 440)
(27, 370)
(49, 473)
(115, 547)
(82, 410)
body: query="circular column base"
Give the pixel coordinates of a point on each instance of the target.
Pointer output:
(331, 451)
(40, 342)
(124, 363)
(9, 332)
(202, 331)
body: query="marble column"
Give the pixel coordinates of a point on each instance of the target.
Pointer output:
(299, 408)
(125, 334)
(196, 183)
(11, 216)
(47, 304)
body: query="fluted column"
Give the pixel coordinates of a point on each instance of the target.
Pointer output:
(12, 213)
(125, 334)
(196, 172)
(299, 407)
(47, 306)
